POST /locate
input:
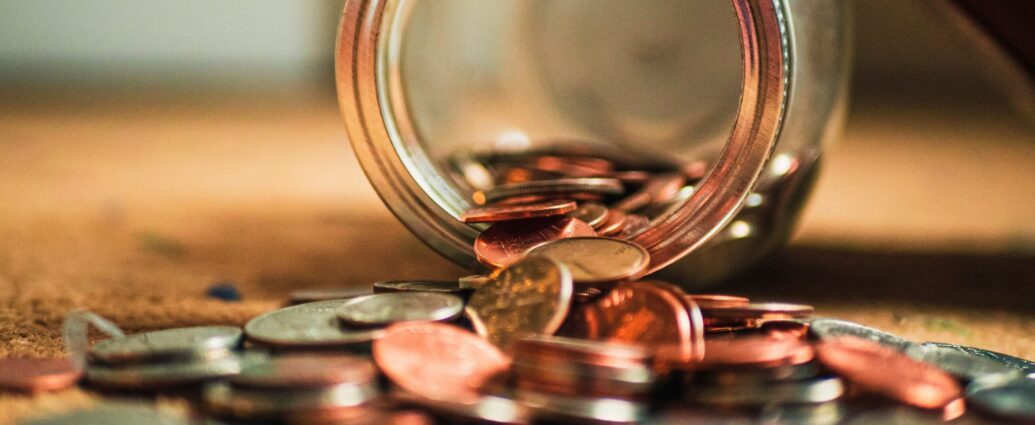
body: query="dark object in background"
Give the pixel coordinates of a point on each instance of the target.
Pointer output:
(1009, 22)
(225, 291)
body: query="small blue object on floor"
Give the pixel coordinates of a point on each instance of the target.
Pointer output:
(225, 291)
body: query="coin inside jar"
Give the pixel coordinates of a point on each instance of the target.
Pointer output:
(585, 185)
(387, 308)
(595, 259)
(593, 213)
(496, 213)
(506, 242)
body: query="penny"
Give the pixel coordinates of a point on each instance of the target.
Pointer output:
(579, 367)
(574, 166)
(596, 259)
(496, 213)
(693, 313)
(167, 343)
(584, 409)
(876, 368)
(634, 225)
(633, 313)
(312, 405)
(169, 374)
(718, 301)
(485, 409)
(31, 375)
(614, 224)
(531, 199)
(960, 364)
(591, 185)
(583, 351)
(304, 370)
(437, 361)
(506, 242)
(758, 351)
(307, 325)
(785, 329)
(473, 281)
(443, 286)
(531, 296)
(758, 311)
(832, 328)
(817, 390)
(592, 213)
(1017, 363)
(1005, 397)
(660, 188)
(313, 295)
(108, 413)
(388, 308)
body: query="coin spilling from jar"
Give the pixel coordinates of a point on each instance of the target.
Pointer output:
(564, 330)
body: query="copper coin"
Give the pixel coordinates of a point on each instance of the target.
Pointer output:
(289, 371)
(693, 313)
(504, 243)
(37, 375)
(582, 351)
(759, 311)
(438, 361)
(785, 329)
(575, 166)
(614, 224)
(634, 225)
(594, 260)
(593, 213)
(595, 185)
(659, 189)
(532, 199)
(718, 301)
(878, 369)
(756, 351)
(634, 177)
(496, 213)
(313, 295)
(633, 313)
(729, 325)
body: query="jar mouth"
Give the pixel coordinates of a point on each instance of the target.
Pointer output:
(390, 140)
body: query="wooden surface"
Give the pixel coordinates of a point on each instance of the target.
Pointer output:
(132, 206)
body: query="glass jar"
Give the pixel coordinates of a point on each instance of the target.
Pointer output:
(745, 95)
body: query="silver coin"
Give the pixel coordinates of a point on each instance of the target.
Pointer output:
(167, 374)
(112, 414)
(594, 409)
(1021, 365)
(817, 390)
(488, 408)
(960, 364)
(593, 185)
(388, 308)
(314, 295)
(1005, 397)
(596, 259)
(898, 415)
(337, 402)
(307, 325)
(445, 286)
(832, 328)
(166, 344)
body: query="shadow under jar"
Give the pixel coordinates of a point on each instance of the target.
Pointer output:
(737, 99)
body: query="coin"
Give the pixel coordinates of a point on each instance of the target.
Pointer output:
(634, 225)
(168, 374)
(754, 375)
(388, 308)
(758, 351)
(614, 224)
(168, 343)
(109, 413)
(307, 325)
(304, 370)
(832, 328)
(660, 188)
(828, 413)
(882, 370)
(1021, 365)
(531, 296)
(578, 367)
(312, 405)
(313, 295)
(490, 409)
(583, 409)
(437, 361)
(592, 185)
(758, 311)
(473, 281)
(506, 242)
(817, 390)
(785, 329)
(638, 314)
(592, 213)
(496, 213)
(958, 363)
(31, 375)
(1005, 397)
(595, 259)
(443, 286)
(718, 300)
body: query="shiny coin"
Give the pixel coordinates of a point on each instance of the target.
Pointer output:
(443, 286)
(832, 328)
(592, 213)
(305, 370)
(660, 188)
(818, 390)
(614, 224)
(1011, 398)
(718, 301)
(758, 312)
(529, 297)
(591, 185)
(112, 413)
(876, 368)
(169, 374)
(178, 343)
(596, 260)
(578, 367)
(314, 295)
(37, 375)
(1021, 365)
(438, 361)
(785, 329)
(388, 308)
(496, 213)
(312, 405)
(485, 409)
(588, 409)
(307, 325)
(758, 351)
(504, 243)
(957, 363)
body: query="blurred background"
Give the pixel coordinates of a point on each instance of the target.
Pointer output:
(150, 149)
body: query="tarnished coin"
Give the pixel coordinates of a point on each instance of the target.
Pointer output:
(443, 286)
(306, 370)
(531, 296)
(169, 374)
(592, 213)
(438, 361)
(314, 295)
(817, 390)
(307, 325)
(504, 243)
(832, 328)
(595, 259)
(388, 308)
(177, 343)
(584, 409)
(494, 213)
(879, 369)
(1005, 397)
(30, 375)
(1021, 365)
(311, 405)
(958, 363)
(592, 185)
(112, 413)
